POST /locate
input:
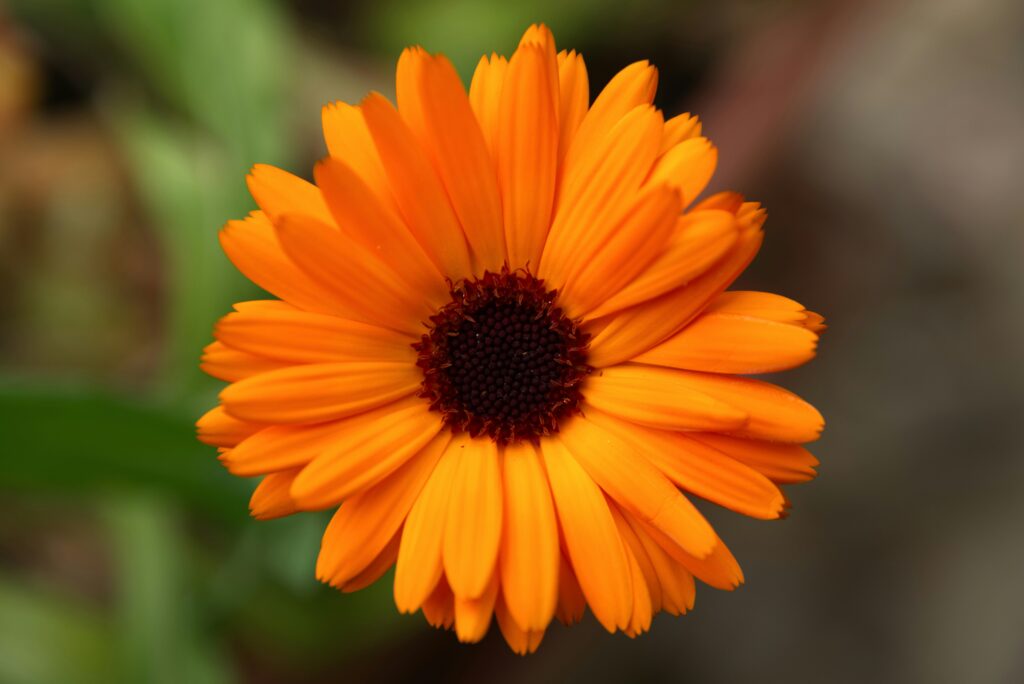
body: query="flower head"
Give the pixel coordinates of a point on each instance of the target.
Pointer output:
(502, 345)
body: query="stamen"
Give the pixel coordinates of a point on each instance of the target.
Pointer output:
(502, 359)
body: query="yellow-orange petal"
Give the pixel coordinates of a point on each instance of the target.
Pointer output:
(472, 530)
(688, 167)
(658, 397)
(521, 641)
(231, 365)
(361, 529)
(419, 567)
(699, 469)
(676, 583)
(592, 542)
(473, 615)
(433, 102)
(527, 151)
(372, 447)
(485, 96)
(626, 251)
(635, 330)
(573, 98)
(354, 277)
(282, 447)
(732, 343)
(279, 192)
(318, 392)
(596, 192)
(782, 463)
(348, 138)
(380, 564)
(629, 479)
(766, 305)
(217, 428)
(271, 499)
(775, 414)
(529, 551)
(378, 229)
(699, 239)
(677, 129)
(418, 192)
(291, 335)
(633, 86)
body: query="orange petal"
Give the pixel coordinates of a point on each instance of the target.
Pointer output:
(253, 247)
(658, 397)
(635, 330)
(574, 98)
(433, 102)
(348, 138)
(529, 551)
(782, 463)
(417, 189)
(439, 608)
(361, 529)
(700, 469)
(282, 447)
(649, 579)
(485, 96)
(593, 544)
(318, 392)
(354, 277)
(295, 336)
(675, 581)
(677, 129)
(217, 428)
(279, 192)
(571, 602)
(419, 555)
(633, 86)
(527, 151)
(719, 569)
(376, 568)
(687, 167)
(472, 531)
(379, 230)
(775, 414)
(640, 619)
(700, 238)
(231, 365)
(730, 343)
(473, 615)
(626, 251)
(766, 305)
(635, 484)
(597, 191)
(521, 641)
(271, 498)
(374, 446)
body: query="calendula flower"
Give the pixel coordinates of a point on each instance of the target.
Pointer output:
(502, 345)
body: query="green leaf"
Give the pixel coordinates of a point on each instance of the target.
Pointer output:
(80, 441)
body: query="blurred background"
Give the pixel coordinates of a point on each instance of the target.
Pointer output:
(887, 140)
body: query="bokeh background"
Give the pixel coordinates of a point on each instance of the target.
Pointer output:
(885, 137)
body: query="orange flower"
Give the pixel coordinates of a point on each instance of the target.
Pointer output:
(502, 345)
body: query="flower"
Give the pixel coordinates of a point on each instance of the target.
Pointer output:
(502, 344)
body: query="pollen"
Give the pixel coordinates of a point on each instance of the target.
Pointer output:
(502, 359)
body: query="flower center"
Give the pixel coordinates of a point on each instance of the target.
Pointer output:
(501, 359)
